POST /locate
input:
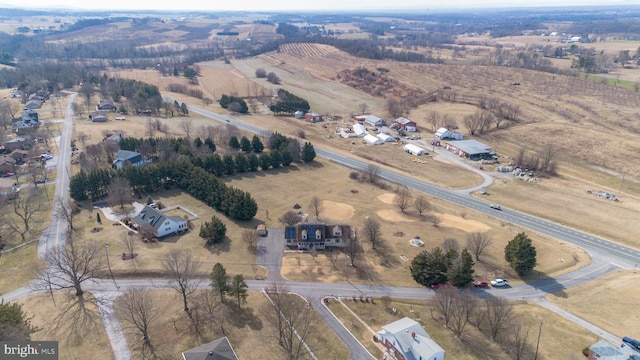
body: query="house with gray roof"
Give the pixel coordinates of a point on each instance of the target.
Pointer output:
(602, 350)
(216, 350)
(124, 157)
(405, 339)
(162, 224)
(317, 235)
(471, 149)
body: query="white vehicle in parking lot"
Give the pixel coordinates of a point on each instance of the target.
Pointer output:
(499, 283)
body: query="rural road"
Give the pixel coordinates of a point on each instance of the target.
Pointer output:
(606, 256)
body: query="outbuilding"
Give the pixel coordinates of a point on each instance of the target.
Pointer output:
(359, 130)
(372, 140)
(471, 149)
(385, 137)
(405, 124)
(414, 149)
(374, 120)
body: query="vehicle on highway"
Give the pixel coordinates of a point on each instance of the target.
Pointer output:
(228, 120)
(495, 206)
(438, 286)
(481, 284)
(499, 283)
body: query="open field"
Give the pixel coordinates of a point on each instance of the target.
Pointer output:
(606, 301)
(76, 325)
(560, 339)
(249, 333)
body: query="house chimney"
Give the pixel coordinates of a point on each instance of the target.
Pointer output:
(413, 334)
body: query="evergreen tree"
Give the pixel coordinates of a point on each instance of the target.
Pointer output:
(198, 142)
(78, 186)
(254, 162)
(256, 144)
(229, 164)
(234, 143)
(242, 164)
(461, 270)
(265, 161)
(219, 280)
(213, 231)
(238, 289)
(14, 323)
(245, 144)
(308, 152)
(521, 254)
(430, 267)
(98, 219)
(287, 159)
(210, 144)
(276, 158)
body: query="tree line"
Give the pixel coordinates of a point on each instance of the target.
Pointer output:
(289, 103)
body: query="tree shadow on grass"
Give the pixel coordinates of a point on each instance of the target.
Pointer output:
(220, 247)
(245, 316)
(76, 318)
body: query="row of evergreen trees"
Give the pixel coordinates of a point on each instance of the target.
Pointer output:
(289, 103)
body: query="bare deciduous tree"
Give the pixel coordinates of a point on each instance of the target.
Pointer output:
(371, 230)
(372, 172)
(151, 127)
(95, 152)
(290, 218)
(250, 238)
(353, 248)
(363, 108)
(463, 309)
(82, 137)
(182, 268)
(436, 119)
(548, 155)
(294, 319)
(119, 191)
(65, 211)
(146, 231)
(421, 204)
(445, 301)
(137, 310)
(477, 242)
(72, 265)
(403, 199)
(25, 205)
(450, 244)
(497, 315)
(315, 206)
(130, 244)
(519, 334)
(187, 126)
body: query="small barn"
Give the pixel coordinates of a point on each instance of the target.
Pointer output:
(373, 120)
(414, 149)
(405, 124)
(312, 117)
(471, 149)
(372, 140)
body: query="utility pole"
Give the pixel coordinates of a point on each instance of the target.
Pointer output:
(106, 250)
(538, 344)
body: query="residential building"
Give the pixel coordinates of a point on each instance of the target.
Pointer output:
(32, 104)
(98, 116)
(106, 105)
(216, 350)
(17, 143)
(7, 163)
(405, 339)
(162, 224)
(602, 350)
(19, 155)
(444, 133)
(124, 157)
(471, 149)
(317, 235)
(405, 124)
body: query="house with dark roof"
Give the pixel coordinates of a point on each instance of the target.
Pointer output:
(471, 149)
(216, 350)
(19, 155)
(98, 116)
(7, 163)
(107, 105)
(317, 235)
(124, 157)
(405, 339)
(16, 143)
(32, 104)
(162, 224)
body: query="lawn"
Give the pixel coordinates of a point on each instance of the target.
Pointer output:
(560, 338)
(250, 335)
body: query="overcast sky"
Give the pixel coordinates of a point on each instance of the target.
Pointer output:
(299, 5)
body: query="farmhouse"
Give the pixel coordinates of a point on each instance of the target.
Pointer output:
(106, 105)
(124, 157)
(471, 149)
(602, 350)
(216, 350)
(7, 163)
(32, 104)
(405, 339)
(414, 149)
(372, 140)
(317, 235)
(405, 124)
(98, 116)
(444, 133)
(162, 225)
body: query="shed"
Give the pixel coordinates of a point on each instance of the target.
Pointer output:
(414, 149)
(312, 117)
(374, 120)
(299, 114)
(471, 149)
(372, 140)
(406, 124)
(385, 137)
(360, 130)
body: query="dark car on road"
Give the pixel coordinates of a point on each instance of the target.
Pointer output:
(481, 284)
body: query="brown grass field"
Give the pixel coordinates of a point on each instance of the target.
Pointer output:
(560, 339)
(249, 334)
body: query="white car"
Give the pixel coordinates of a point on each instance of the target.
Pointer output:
(499, 283)
(495, 206)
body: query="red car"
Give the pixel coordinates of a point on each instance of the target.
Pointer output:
(481, 284)
(438, 286)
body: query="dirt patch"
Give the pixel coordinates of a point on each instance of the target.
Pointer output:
(337, 211)
(393, 215)
(386, 198)
(460, 223)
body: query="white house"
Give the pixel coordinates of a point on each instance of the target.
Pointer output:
(385, 137)
(406, 339)
(162, 224)
(359, 130)
(444, 133)
(414, 149)
(372, 140)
